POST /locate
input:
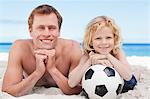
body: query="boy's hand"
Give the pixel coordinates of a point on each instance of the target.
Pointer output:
(99, 59)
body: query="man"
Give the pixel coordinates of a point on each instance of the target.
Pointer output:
(44, 60)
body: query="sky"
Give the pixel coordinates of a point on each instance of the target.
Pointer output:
(132, 16)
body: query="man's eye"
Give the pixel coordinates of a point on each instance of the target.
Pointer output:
(51, 28)
(41, 28)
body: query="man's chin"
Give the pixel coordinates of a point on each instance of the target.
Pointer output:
(46, 47)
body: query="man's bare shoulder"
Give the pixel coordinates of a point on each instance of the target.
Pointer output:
(71, 48)
(68, 43)
(23, 42)
(21, 45)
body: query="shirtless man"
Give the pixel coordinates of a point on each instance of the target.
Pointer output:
(45, 60)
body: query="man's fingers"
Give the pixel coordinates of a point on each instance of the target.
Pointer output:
(40, 56)
(41, 51)
(45, 52)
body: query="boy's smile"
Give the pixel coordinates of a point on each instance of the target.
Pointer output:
(103, 40)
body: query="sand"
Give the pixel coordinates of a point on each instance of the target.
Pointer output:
(141, 91)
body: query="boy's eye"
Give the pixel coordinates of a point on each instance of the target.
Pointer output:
(109, 37)
(98, 38)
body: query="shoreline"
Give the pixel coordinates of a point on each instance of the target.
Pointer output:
(133, 60)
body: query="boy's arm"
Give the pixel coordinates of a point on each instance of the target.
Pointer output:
(76, 74)
(121, 65)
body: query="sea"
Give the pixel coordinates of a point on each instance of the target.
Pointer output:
(131, 49)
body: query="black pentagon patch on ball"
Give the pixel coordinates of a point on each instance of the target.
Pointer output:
(88, 74)
(101, 90)
(119, 89)
(84, 93)
(109, 71)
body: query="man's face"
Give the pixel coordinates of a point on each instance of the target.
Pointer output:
(45, 31)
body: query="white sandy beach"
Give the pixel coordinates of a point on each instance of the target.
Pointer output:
(141, 91)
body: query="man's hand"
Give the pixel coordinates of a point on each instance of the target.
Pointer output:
(40, 62)
(49, 61)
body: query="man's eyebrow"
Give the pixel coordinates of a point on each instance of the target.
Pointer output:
(47, 25)
(51, 26)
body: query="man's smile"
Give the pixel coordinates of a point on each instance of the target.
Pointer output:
(46, 40)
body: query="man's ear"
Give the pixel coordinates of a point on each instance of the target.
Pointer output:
(58, 33)
(30, 31)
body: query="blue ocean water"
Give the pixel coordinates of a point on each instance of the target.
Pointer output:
(4, 47)
(137, 49)
(131, 49)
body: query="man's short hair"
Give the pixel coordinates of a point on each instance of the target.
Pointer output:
(44, 10)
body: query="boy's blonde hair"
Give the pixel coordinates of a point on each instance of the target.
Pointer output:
(96, 24)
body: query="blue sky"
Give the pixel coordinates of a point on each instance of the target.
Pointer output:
(132, 16)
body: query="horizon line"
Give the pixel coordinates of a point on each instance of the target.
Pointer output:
(132, 43)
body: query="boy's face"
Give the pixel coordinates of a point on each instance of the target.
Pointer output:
(45, 31)
(103, 40)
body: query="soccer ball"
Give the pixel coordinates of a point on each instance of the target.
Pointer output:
(101, 82)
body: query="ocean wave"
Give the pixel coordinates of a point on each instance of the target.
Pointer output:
(139, 60)
(3, 56)
(133, 60)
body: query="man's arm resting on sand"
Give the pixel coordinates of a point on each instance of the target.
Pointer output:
(62, 82)
(20, 88)
(13, 82)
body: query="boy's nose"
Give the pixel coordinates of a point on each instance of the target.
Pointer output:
(104, 41)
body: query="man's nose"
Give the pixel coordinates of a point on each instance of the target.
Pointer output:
(46, 31)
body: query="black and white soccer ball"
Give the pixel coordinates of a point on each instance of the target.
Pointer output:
(101, 82)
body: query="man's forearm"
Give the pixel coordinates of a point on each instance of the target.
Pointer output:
(62, 82)
(23, 87)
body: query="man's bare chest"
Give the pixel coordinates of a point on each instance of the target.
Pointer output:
(61, 63)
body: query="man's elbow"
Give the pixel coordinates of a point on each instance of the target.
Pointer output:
(11, 92)
(71, 91)
(71, 84)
